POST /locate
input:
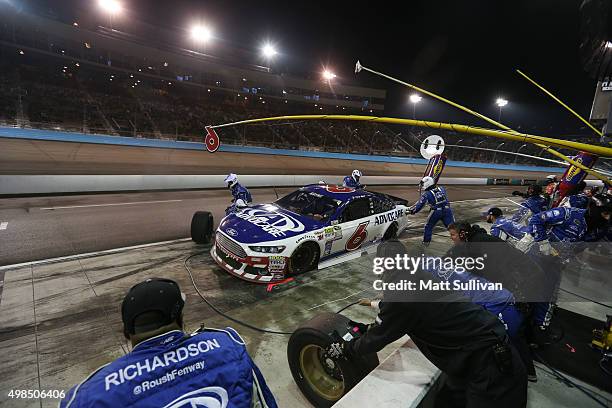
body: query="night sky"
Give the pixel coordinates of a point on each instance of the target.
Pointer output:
(464, 50)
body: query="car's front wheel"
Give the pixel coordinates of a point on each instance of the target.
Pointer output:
(304, 258)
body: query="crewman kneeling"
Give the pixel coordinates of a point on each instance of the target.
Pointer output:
(168, 367)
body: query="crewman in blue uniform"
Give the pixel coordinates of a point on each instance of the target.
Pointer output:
(241, 197)
(168, 367)
(504, 228)
(440, 209)
(352, 181)
(578, 199)
(534, 203)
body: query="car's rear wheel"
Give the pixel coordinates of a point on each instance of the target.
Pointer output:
(304, 258)
(202, 227)
(391, 232)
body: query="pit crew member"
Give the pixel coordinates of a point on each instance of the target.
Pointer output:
(241, 197)
(440, 209)
(168, 367)
(352, 181)
(578, 198)
(469, 344)
(551, 185)
(504, 228)
(534, 203)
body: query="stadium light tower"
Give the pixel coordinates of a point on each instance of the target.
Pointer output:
(200, 33)
(415, 99)
(268, 51)
(500, 102)
(112, 7)
(328, 75)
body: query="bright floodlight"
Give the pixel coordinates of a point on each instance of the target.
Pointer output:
(415, 98)
(501, 102)
(111, 6)
(268, 51)
(201, 33)
(328, 75)
(609, 44)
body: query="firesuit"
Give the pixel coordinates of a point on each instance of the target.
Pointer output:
(175, 369)
(349, 181)
(532, 205)
(579, 200)
(440, 209)
(241, 197)
(560, 224)
(507, 229)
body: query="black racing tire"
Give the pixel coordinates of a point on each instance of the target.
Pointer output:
(321, 384)
(391, 232)
(304, 258)
(202, 227)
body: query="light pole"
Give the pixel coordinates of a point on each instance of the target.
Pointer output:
(518, 151)
(112, 7)
(497, 148)
(414, 99)
(500, 102)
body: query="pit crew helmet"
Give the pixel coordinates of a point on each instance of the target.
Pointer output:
(231, 180)
(427, 182)
(356, 175)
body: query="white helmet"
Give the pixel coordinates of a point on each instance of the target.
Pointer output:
(356, 174)
(551, 177)
(427, 182)
(231, 180)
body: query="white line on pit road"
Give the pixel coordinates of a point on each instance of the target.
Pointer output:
(3, 225)
(110, 204)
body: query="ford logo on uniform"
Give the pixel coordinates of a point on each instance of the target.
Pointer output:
(231, 232)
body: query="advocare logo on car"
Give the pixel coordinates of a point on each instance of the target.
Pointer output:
(272, 222)
(390, 216)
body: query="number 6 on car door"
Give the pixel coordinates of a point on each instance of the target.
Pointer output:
(358, 237)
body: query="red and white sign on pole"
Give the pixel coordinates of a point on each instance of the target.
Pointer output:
(211, 140)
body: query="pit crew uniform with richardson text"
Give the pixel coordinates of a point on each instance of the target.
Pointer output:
(507, 229)
(240, 195)
(210, 368)
(349, 181)
(440, 210)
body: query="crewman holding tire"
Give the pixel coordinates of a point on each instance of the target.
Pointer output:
(469, 344)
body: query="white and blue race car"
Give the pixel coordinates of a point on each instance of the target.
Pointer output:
(313, 227)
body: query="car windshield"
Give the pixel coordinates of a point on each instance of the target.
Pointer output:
(310, 204)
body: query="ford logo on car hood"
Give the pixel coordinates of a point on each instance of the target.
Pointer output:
(231, 232)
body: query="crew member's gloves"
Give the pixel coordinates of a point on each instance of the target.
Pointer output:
(525, 243)
(360, 327)
(546, 249)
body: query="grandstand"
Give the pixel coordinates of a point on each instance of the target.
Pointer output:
(59, 76)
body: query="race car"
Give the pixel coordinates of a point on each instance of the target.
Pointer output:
(267, 243)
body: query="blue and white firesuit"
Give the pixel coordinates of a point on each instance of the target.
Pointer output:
(440, 209)
(239, 192)
(349, 181)
(564, 228)
(507, 229)
(561, 224)
(499, 302)
(579, 200)
(207, 369)
(532, 205)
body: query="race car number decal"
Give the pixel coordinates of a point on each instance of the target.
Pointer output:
(358, 237)
(339, 189)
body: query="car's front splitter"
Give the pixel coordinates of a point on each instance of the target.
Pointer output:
(241, 273)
